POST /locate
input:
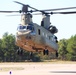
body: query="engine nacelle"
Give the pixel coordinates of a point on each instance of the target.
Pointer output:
(53, 29)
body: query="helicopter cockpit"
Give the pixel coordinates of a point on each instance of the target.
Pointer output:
(25, 29)
(21, 28)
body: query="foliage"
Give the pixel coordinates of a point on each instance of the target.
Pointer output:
(71, 47)
(62, 49)
(67, 49)
(8, 50)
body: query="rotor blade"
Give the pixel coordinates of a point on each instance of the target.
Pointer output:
(24, 4)
(29, 7)
(14, 15)
(8, 11)
(52, 9)
(55, 9)
(19, 2)
(47, 9)
(60, 9)
(72, 12)
(37, 14)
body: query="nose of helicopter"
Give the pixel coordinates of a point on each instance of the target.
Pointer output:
(26, 32)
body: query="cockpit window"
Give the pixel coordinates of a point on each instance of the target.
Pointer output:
(29, 27)
(26, 27)
(22, 27)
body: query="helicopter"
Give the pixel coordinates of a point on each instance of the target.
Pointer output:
(33, 37)
(37, 38)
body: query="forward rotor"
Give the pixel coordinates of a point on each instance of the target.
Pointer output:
(46, 12)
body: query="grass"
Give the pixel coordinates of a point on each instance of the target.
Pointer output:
(45, 61)
(10, 68)
(59, 62)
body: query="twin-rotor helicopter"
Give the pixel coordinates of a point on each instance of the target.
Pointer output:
(37, 38)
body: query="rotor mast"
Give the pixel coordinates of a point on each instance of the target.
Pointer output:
(26, 19)
(45, 21)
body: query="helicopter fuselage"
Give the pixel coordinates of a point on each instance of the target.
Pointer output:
(35, 38)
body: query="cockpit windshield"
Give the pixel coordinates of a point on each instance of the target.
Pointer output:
(26, 27)
(29, 27)
(21, 28)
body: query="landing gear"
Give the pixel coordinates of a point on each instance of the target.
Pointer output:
(45, 52)
(20, 51)
(56, 54)
(31, 54)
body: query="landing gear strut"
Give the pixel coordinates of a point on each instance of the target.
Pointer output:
(45, 52)
(30, 55)
(56, 54)
(20, 51)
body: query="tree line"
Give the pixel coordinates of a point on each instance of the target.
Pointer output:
(67, 48)
(8, 50)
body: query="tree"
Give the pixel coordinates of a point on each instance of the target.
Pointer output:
(62, 49)
(67, 50)
(8, 50)
(71, 48)
(1, 51)
(8, 47)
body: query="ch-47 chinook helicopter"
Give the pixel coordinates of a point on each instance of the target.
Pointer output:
(33, 37)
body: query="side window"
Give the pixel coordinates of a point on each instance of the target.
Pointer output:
(29, 27)
(39, 31)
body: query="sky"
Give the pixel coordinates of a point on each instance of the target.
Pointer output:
(66, 24)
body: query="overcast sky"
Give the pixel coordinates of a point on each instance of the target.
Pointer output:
(66, 24)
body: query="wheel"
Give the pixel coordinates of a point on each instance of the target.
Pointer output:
(20, 51)
(56, 54)
(30, 55)
(45, 52)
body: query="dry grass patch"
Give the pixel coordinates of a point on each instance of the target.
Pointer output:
(10, 68)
